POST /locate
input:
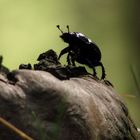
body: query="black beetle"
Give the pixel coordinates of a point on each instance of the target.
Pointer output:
(82, 50)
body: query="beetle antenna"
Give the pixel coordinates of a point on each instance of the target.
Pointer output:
(68, 28)
(58, 26)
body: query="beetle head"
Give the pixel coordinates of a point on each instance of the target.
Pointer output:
(66, 36)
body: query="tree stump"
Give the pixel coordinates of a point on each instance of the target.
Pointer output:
(55, 102)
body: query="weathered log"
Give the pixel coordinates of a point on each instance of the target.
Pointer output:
(46, 107)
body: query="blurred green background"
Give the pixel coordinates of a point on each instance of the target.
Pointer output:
(28, 28)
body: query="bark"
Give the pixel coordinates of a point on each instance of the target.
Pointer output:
(62, 103)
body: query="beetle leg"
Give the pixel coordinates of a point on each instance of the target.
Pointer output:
(103, 70)
(93, 67)
(65, 50)
(94, 72)
(72, 58)
(68, 59)
(73, 62)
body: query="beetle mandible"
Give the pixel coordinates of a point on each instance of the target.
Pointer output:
(82, 50)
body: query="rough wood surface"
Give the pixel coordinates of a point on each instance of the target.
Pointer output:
(48, 108)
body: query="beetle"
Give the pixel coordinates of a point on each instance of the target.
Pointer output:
(82, 50)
